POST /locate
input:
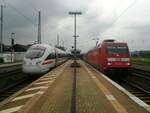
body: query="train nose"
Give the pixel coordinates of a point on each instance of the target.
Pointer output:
(31, 67)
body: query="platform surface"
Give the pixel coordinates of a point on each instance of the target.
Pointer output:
(62, 91)
(10, 64)
(93, 94)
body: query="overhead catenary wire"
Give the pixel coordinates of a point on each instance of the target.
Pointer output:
(124, 11)
(121, 14)
(27, 18)
(20, 13)
(31, 4)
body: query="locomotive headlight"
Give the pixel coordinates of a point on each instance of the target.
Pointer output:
(128, 63)
(109, 63)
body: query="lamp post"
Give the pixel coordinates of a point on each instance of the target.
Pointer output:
(96, 40)
(12, 44)
(1, 30)
(75, 32)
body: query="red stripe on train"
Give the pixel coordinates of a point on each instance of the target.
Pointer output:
(47, 62)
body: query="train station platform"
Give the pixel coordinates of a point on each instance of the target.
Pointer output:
(69, 90)
(10, 64)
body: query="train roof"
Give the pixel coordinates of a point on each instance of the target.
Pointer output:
(42, 45)
(47, 46)
(59, 50)
(108, 42)
(111, 42)
(114, 43)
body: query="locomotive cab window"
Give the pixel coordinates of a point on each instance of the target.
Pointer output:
(122, 50)
(33, 53)
(117, 50)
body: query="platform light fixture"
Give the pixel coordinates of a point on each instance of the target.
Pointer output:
(75, 36)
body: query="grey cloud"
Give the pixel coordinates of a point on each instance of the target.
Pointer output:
(55, 20)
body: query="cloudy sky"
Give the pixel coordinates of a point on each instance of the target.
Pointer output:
(123, 20)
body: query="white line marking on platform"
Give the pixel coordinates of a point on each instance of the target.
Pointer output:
(40, 92)
(47, 79)
(10, 110)
(53, 73)
(110, 97)
(93, 77)
(34, 88)
(46, 82)
(23, 97)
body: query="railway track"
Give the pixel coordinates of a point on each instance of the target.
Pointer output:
(9, 68)
(137, 90)
(141, 63)
(141, 72)
(141, 78)
(13, 88)
(147, 78)
(12, 80)
(16, 81)
(10, 71)
(138, 84)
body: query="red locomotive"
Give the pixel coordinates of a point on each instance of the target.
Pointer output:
(110, 56)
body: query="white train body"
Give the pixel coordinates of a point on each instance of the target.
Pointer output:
(40, 58)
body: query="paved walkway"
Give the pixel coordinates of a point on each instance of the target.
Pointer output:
(91, 94)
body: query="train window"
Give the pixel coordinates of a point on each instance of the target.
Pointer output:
(51, 56)
(33, 53)
(117, 50)
(122, 50)
(111, 50)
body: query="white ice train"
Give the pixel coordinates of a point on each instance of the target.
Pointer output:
(40, 58)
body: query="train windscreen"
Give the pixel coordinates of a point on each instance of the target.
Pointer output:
(33, 53)
(117, 50)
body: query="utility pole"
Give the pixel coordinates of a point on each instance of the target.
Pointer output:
(39, 28)
(1, 31)
(75, 33)
(12, 47)
(57, 40)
